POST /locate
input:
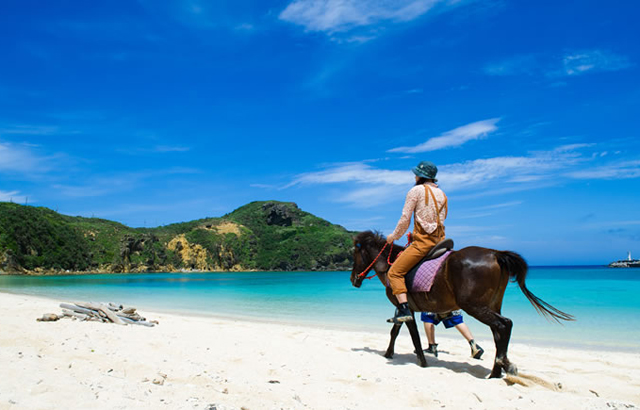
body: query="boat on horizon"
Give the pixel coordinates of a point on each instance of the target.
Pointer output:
(626, 263)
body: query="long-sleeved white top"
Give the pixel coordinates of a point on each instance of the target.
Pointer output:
(425, 214)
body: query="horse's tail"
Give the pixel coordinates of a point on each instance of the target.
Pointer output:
(516, 267)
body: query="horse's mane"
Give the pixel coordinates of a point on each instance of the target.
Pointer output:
(371, 239)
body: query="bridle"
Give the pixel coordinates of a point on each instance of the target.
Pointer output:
(364, 272)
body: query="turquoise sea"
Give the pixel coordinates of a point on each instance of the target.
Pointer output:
(606, 302)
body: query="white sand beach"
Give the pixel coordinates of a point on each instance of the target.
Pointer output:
(190, 362)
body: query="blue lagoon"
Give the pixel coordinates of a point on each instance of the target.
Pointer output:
(604, 301)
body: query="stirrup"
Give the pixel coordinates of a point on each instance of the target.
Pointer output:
(401, 317)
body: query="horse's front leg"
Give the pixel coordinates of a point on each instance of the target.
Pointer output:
(415, 337)
(392, 342)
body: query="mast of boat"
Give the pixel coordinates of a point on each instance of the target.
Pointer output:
(629, 256)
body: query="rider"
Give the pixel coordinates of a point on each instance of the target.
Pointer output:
(429, 205)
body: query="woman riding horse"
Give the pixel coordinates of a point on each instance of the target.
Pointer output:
(473, 279)
(428, 204)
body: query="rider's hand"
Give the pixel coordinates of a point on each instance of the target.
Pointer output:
(390, 239)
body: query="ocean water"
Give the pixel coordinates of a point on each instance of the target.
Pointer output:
(605, 302)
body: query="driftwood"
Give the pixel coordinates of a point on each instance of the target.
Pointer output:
(77, 309)
(99, 307)
(101, 312)
(76, 315)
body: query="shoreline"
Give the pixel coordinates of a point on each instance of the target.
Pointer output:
(184, 271)
(480, 331)
(43, 272)
(189, 361)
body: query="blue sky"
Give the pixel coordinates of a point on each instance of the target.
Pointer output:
(154, 112)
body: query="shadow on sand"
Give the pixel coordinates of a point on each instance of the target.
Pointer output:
(477, 371)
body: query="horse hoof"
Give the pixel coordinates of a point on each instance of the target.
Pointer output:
(496, 373)
(388, 355)
(422, 364)
(512, 369)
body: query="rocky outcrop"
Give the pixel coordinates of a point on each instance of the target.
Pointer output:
(279, 214)
(193, 256)
(227, 259)
(8, 263)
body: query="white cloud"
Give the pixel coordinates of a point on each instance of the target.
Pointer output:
(20, 159)
(373, 186)
(499, 206)
(14, 196)
(623, 170)
(102, 185)
(522, 169)
(85, 191)
(333, 16)
(354, 39)
(263, 186)
(370, 196)
(363, 223)
(354, 172)
(460, 230)
(167, 148)
(481, 171)
(453, 138)
(369, 186)
(572, 147)
(593, 61)
(30, 130)
(153, 149)
(570, 64)
(364, 186)
(484, 211)
(520, 64)
(245, 27)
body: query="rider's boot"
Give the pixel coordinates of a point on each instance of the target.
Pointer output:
(403, 314)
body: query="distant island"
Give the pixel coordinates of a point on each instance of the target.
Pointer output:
(265, 235)
(626, 263)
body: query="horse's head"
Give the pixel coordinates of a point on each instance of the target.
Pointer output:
(367, 246)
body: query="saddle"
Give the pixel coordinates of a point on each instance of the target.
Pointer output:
(437, 251)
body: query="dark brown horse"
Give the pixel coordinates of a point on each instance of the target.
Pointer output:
(472, 279)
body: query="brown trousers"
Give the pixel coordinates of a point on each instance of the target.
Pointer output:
(421, 245)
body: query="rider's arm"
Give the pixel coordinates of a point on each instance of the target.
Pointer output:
(409, 206)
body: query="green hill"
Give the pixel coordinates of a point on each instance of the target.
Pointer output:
(267, 235)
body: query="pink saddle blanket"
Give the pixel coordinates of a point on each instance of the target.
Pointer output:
(426, 274)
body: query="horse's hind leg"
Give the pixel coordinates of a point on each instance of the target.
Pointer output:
(392, 342)
(415, 337)
(501, 329)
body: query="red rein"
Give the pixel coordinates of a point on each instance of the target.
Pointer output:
(364, 272)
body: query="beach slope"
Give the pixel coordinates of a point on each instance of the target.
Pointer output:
(190, 362)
